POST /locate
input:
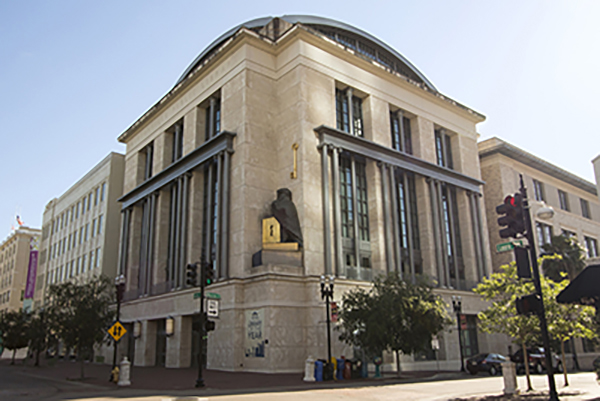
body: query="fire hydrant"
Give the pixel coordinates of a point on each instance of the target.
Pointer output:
(115, 374)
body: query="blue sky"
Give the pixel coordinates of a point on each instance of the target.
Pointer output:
(75, 74)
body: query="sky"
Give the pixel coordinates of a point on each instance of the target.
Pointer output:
(75, 74)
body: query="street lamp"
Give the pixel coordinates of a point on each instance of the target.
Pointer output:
(120, 288)
(327, 294)
(457, 306)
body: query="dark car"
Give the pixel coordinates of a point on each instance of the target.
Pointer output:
(490, 363)
(537, 361)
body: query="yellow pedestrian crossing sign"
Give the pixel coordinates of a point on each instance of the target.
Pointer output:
(117, 331)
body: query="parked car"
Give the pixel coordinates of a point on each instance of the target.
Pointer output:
(488, 362)
(537, 361)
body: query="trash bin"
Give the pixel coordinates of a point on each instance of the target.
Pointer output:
(347, 370)
(319, 370)
(327, 371)
(356, 369)
(341, 365)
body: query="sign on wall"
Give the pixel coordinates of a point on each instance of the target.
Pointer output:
(255, 340)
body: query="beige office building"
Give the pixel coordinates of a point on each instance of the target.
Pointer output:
(80, 229)
(574, 200)
(15, 252)
(384, 175)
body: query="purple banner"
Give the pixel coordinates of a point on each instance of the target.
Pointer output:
(32, 270)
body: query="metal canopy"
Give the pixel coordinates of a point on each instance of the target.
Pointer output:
(584, 289)
(209, 149)
(383, 154)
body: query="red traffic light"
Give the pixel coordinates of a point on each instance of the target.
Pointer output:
(511, 212)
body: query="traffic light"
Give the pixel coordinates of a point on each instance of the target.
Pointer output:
(511, 212)
(210, 325)
(208, 276)
(192, 274)
(529, 304)
(522, 259)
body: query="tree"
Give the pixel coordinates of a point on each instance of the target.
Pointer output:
(566, 321)
(394, 315)
(568, 257)
(502, 290)
(37, 334)
(79, 314)
(13, 329)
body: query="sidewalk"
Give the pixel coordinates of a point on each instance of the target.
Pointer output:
(159, 378)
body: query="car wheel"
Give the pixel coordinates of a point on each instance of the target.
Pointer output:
(539, 369)
(559, 368)
(472, 371)
(493, 371)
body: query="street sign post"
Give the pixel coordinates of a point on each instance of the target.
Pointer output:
(117, 331)
(508, 246)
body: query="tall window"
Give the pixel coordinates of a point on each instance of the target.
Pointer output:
(100, 224)
(148, 160)
(585, 208)
(564, 200)
(349, 112)
(592, 247)
(401, 135)
(354, 217)
(102, 192)
(177, 144)
(544, 233)
(408, 222)
(213, 117)
(538, 191)
(443, 149)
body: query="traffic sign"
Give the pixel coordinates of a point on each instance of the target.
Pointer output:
(207, 295)
(117, 331)
(212, 307)
(508, 246)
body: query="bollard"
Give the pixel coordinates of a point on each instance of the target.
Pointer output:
(510, 378)
(125, 371)
(309, 369)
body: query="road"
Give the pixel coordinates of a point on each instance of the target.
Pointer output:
(16, 385)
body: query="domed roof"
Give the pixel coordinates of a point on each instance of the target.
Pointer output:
(347, 35)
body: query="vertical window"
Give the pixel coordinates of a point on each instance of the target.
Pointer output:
(177, 144)
(103, 192)
(78, 268)
(97, 257)
(349, 112)
(83, 263)
(100, 224)
(83, 205)
(538, 191)
(93, 228)
(89, 204)
(81, 235)
(148, 160)
(443, 149)
(592, 247)
(97, 196)
(569, 234)
(77, 210)
(213, 118)
(354, 217)
(585, 208)
(544, 233)
(87, 227)
(564, 200)
(401, 135)
(91, 261)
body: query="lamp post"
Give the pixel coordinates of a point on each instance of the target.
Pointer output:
(327, 294)
(120, 288)
(457, 306)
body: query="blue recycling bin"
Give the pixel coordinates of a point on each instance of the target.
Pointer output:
(319, 370)
(341, 363)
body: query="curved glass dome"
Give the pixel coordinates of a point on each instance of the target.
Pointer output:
(350, 37)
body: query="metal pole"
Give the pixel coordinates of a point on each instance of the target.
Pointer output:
(200, 379)
(538, 289)
(327, 298)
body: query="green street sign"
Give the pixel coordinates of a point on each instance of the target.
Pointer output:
(508, 246)
(210, 295)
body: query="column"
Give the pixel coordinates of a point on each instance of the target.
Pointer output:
(145, 345)
(355, 220)
(386, 216)
(436, 231)
(224, 273)
(409, 227)
(179, 345)
(337, 214)
(326, 218)
(396, 222)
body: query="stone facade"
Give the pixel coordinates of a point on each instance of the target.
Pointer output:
(14, 267)
(577, 214)
(373, 138)
(80, 229)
